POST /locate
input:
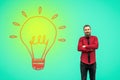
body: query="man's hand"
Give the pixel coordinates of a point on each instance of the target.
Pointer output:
(89, 50)
(83, 46)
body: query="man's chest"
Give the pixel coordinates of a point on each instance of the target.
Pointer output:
(88, 41)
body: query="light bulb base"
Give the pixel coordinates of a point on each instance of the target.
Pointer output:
(38, 64)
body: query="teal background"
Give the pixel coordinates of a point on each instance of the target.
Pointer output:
(62, 62)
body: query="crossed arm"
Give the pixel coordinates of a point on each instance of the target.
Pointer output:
(87, 48)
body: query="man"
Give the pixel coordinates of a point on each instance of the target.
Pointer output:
(87, 45)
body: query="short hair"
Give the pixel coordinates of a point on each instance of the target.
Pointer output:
(87, 25)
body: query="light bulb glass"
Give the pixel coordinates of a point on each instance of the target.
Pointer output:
(38, 34)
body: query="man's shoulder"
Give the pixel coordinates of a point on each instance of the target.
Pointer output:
(90, 36)
(95, 37)
(82, 37)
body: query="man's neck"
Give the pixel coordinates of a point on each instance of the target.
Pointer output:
(87, 36)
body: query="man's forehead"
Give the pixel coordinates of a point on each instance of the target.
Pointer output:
(87, 27)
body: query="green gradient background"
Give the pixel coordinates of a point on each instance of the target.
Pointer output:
(62, 62)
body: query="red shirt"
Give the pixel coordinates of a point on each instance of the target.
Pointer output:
(93, 45)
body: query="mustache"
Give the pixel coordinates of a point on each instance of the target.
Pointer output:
(87, 32)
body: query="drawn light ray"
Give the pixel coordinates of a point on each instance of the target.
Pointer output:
(54, 16)
(24, 14)
(62, 39)
(62, 27)
(12, 36)
(16, 24)
(39, 10)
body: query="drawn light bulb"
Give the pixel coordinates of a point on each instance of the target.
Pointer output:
(38, 34)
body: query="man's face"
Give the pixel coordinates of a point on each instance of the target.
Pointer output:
(87, 31)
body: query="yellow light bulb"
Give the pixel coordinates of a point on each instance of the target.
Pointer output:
(38, 34)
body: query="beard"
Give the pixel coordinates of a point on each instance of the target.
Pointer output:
(87, 34)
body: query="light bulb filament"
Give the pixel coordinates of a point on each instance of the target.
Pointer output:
(39, 40)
